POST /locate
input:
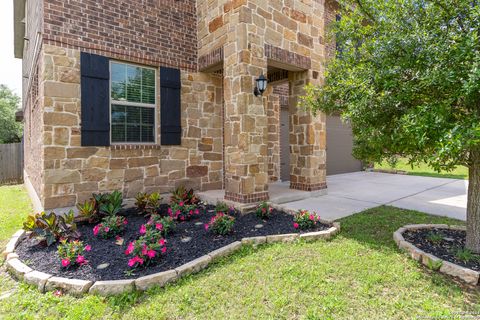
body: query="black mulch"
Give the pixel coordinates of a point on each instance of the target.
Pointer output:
(446, 248)
(46, 259)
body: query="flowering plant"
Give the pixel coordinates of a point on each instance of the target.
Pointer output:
(144, 250)
(221, 224)
(110, 226)
(181, 194)
(305, 219)
(71, 253)
(182, 211)
(264, 211)
(165, 225)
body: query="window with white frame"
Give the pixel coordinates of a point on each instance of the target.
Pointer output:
(132, 103)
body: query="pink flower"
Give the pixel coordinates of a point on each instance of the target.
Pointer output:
(197, 211)
(159, 226)
(130, 248)
(65, 263)
(144, 250)
(151, 254)
(96, 229)
(164, 249)
(182, 218)
(134, 261)
(312, 217)
(170, 211)
(58, 293)
(161, 242)
(190, 212)
(81, 260)
(88, 247)
(295, 225)
(181, 204)
(106, 229)
(125, 222)
(206, 226)
(143, 229)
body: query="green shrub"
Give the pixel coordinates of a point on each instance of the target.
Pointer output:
(264, 211)
(49, 228)
(183, 212)
(305, 219)
(110, 226)
(165, 225)
(181, 194)
(71, 253)
(221, 224)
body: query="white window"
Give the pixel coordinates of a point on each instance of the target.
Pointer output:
(132, 103)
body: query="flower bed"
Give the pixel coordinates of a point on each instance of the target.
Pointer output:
(440, 247)
(187, 248)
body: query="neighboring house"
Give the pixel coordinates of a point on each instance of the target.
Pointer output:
(148, 95)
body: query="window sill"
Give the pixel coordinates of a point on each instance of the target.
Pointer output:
(134, 146)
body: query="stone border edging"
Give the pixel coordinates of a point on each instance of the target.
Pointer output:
(47, 282)
(467, 275)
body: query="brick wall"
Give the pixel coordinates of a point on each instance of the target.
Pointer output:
(145, 31)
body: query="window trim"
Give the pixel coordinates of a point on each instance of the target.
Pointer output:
(133, 104)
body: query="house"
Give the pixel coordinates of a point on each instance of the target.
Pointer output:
(148, 95)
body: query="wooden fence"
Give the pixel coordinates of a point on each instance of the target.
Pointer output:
(11, 163)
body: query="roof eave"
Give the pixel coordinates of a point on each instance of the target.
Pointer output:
(18, 27)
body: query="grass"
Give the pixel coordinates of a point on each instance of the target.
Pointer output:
(358, 275)
(459, 172)
(15, 205)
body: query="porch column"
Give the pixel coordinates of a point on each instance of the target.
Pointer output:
(307, 139)
(245, 121)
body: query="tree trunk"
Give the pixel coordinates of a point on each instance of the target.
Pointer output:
(473, 203)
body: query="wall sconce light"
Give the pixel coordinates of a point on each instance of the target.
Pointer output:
(261, 85)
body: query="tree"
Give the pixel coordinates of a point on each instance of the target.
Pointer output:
(10, 131)
(407, 78)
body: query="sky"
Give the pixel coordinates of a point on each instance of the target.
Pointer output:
(10, 68)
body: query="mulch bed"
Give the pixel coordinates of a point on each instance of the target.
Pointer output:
(446, 248)
(179, 252)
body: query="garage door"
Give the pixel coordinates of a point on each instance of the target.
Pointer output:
(339, 147)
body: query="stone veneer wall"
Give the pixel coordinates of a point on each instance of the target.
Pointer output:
(73, 172)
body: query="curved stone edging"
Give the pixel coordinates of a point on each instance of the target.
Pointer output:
(467, 275)
(47, 282)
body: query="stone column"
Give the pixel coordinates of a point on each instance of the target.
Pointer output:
(307, 139)
(246, 161)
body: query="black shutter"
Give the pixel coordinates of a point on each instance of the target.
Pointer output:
(95, 93)
(170, 106)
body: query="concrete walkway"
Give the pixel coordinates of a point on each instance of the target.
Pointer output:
(354, 192)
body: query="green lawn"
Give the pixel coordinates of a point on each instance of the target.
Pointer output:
(459, 172)
(15, 205)
(358, 275)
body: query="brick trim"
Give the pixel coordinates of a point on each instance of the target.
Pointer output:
(287, 57)
(308, 186)
(247, 198)
(115, 53)
(210, 59)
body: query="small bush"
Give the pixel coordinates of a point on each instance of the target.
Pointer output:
(71, 253)
(145, 250)
(148, 203)
(110, 227)
(305, 219)
(49, 228)
(182, 195)
(221, 224)
(222, 207)
(264, 211)
(165, 225)
(89, 211)
(112, 203)
(183, 212)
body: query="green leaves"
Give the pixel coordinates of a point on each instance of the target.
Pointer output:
(10, 130)
(408, 79)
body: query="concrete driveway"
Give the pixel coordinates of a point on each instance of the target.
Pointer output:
(354, 192)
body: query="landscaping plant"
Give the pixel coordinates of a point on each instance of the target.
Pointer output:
(165, 225)
(112, 203)
(110, 227)
(221, 224)
(49, 228)
(145, 250)
(89, 211)
(71, 253)
(181, 194)
(305, 220)
(406, 77)
(183, 212)
(434, 237)
(264, 211)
